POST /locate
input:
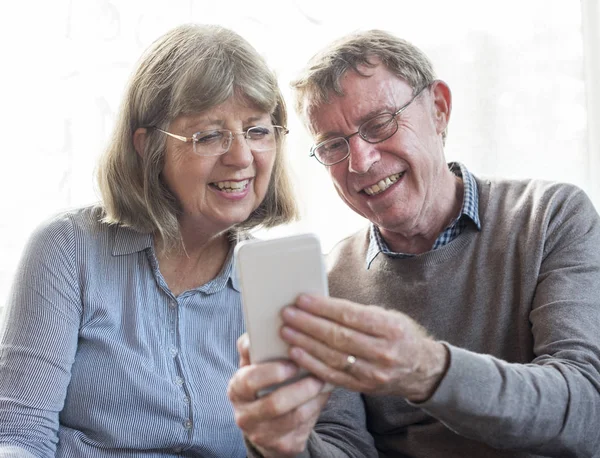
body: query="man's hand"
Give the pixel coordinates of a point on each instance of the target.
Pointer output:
(279, 423)
(392, 353)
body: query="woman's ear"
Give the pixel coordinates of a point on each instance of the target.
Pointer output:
(139, 140)
(442, 103)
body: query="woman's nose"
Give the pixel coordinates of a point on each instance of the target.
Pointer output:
(239, 153)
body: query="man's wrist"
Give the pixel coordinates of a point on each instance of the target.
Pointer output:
(435, 370)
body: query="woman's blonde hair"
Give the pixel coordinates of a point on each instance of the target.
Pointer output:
(188, 70)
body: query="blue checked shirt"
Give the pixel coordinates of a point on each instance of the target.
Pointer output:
(469, 214)
(98, 359)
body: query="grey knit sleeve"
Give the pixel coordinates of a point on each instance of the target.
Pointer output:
(551, 405)
(341, 430)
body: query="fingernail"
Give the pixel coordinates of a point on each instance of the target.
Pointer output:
(288, 313)
(290, 370)
(304, 299)
(286, 331)
(295, 352)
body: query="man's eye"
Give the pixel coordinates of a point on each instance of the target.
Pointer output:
(378, 125)
(333, 146)
(209, 137)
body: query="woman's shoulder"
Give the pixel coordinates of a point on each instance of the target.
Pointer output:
(81, 220)
(73, 230)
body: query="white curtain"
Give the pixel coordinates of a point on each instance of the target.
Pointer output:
(516, 69)
(590, 13)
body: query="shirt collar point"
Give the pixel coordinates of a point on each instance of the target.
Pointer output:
(128, 241)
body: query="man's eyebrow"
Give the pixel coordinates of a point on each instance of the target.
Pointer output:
(376, 112)
(327, 136)
(366, 117)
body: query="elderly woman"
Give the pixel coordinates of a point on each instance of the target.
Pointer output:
(120, 333)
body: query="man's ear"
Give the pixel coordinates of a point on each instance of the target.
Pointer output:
(442, 104)
(139, 140)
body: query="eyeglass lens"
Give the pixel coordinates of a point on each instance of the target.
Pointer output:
(374, 130)
(215, 142)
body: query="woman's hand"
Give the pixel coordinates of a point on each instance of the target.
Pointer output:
(277, 424)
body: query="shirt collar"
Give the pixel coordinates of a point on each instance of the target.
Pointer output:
(227, 272)
(470, 209)
(235, 282)
(128, 241)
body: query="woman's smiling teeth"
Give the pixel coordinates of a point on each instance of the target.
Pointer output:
(382, 185)
(231, 186)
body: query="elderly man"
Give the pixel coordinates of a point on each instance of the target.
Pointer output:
(484, 336)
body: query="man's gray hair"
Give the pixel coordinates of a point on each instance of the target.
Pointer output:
(325, 70)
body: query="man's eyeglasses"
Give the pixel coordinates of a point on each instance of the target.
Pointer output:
(216, 142)
(374, 130)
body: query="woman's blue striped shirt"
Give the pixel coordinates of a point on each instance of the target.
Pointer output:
(99, 359)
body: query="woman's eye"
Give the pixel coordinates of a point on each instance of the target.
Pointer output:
(258, 132)
(208, 137)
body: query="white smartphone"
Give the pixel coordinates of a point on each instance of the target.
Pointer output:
(272, 273)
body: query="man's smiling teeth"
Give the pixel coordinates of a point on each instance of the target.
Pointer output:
(231, 186)
(383, 184)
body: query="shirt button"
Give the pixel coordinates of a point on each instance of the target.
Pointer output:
(173, 304)
(186, 400)
(187, 424)
(178, 381)
(173, 351)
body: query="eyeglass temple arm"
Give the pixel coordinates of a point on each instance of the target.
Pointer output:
(405, 106)
(189, 139)
(284, 129)
(178, 137)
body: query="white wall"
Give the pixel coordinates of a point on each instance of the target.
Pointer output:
(516, 69)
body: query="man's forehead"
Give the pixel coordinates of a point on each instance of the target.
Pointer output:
(313, 99)
(383, 91)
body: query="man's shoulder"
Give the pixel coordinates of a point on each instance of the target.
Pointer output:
(528, 186)
(533, 193)
(534, 206)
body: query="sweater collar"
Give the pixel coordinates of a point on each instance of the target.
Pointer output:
(468, 212)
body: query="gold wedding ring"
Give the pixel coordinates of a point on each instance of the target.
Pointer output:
(350, 360)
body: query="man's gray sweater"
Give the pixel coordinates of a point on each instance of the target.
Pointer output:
(518, 304)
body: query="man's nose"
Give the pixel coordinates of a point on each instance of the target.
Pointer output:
(362, 155)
